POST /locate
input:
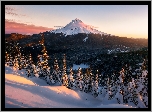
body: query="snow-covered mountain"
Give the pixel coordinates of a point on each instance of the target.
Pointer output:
(77, 26)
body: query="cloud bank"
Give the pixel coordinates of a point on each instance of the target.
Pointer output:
(21, 28)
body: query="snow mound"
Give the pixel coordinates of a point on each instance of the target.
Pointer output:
(17, 79)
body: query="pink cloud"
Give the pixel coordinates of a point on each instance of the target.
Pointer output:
(14, 27)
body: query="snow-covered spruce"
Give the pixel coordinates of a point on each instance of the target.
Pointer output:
(95, 91)
(71, 79)
(29, 67)
(64, 78)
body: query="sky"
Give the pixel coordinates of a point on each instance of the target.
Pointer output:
(120, 20)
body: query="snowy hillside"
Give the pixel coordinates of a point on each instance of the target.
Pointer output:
(77, 26)
(24, 92)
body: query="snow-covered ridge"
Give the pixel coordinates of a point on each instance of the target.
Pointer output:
(77, 26)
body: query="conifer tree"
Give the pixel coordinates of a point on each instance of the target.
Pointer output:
(29, 66)
(100, 79)
(23, 62)
(86, 81)
(137, 91)
(78, 84)
(39, 66)
(120, 87)
(119, 96)
(137, 98)
(56, 75)
(46, 68)
(81, 82)
(95, 85)
(42, 64)
(7, 58)
(19, 60)
(64, 74)
(11, 61)
(16, 63)
(71, 79)
(142, 85)
(113, 85)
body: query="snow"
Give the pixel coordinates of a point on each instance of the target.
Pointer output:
(77, 26)
(18, 79)
(24, 92)
(85, 39)
(139, 64)
(75, 67)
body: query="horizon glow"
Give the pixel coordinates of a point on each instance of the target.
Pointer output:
(120, 20)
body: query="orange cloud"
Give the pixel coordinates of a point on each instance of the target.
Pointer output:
(14, 27)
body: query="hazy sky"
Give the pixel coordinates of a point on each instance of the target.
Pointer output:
(120, 20)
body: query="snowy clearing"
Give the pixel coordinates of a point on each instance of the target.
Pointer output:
(23, 92)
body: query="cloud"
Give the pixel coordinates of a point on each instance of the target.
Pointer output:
(13, 11)
(21, 28)
(10, 8)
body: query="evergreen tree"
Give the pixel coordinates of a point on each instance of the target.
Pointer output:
(90, 81)
(16, 63)
(144, 64)
(42, 64)
(11, 61)
(121, 77)
(137, 92)
(120, 89)
(78, 80)
(145, 97)
(29, 66)
(56, 75)
(81, 82)
(108, 95)
(95, 85)
(127, 74)
(46, 68)
(137, 99)
(119, 96)
(39, 66)
(23, 62)
(19, 61)
(104, 91)
(7, 58)
(64, 74)
(86, 81)
(113, 85)
(113, 79)
(100, 79)
(71, 79)
(142, 86)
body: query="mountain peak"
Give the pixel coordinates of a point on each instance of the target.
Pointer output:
(76, 20)
(75, 27)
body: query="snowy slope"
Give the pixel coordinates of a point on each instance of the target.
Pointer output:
(23, 92)
(77, 26)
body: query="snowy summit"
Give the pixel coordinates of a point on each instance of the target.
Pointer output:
(77, 26)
